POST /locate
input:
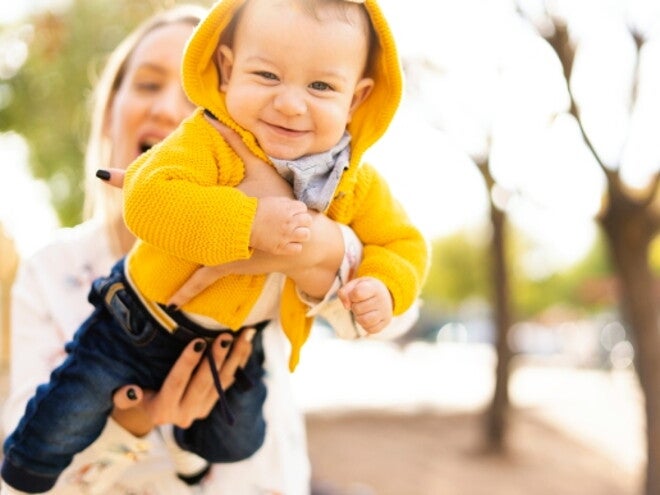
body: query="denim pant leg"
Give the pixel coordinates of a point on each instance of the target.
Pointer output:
(68, 413)
(65, 415)
(216, 440)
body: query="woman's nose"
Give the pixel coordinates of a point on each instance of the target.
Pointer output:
(172, 105)
(290, 101)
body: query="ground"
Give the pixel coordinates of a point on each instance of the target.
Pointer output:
(573, 432)
(426, 453)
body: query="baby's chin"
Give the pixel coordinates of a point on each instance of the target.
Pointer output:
(282, 152)
(278, 155)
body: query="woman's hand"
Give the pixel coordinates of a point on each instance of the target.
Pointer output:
(188, 392)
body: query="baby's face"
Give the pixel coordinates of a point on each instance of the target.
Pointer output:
(292, 80)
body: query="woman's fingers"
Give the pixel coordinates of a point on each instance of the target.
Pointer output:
(164, 406)
(113, 176)
(176, 382)
(200, 280)
(127, 397)
(238, 357)
(130, 411)
(229, 354)
(201, 394)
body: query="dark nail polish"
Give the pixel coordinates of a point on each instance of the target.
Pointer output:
(172, 307)
(225, 343)
(199, 346)
(130, 393)
(103, 174)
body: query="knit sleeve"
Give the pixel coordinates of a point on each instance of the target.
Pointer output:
(180, 197)
(395, 251)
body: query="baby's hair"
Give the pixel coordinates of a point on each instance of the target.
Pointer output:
(342, 10)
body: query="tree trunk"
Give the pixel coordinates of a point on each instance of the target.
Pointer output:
(498, 412)
(629, 230)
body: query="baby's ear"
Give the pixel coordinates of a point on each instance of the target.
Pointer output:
(225, 60)
(362, 90)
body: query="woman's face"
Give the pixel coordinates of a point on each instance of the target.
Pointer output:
(150, 102)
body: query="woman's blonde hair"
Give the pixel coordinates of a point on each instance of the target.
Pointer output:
(102, 200)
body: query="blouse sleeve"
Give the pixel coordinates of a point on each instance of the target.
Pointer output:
(36, 343)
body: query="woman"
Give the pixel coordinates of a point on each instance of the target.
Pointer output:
(138, 102)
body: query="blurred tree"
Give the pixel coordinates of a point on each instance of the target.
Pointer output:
(47, 100)
(496, 93)
(469, 264)
(630, 221)
(461, 271)
(494, 269)
(500, 276)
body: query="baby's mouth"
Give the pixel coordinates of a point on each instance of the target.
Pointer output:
(287, 130)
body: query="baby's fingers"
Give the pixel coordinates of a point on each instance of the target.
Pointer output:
(373, 321)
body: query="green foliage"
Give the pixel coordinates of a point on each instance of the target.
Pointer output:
(460, 270)
(569, 287)
(49, 96)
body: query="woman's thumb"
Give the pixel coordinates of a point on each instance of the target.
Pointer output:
(127, 396)
(112, 176)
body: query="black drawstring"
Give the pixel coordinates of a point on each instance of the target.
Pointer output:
(224, 406)
(242, 381)
(187, 329)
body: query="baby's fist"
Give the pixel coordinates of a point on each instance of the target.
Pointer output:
(370, 301)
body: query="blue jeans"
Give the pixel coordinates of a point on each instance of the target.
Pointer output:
(119, 344)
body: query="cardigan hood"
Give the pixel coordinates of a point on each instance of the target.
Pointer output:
(201, 79)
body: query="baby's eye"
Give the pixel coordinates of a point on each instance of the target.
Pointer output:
(267, 75)
(320, 86)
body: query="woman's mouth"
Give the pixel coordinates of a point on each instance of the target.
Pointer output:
(147, 143)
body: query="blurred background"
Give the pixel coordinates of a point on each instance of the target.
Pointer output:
(527, 150)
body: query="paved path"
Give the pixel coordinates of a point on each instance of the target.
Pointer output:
(601, 409)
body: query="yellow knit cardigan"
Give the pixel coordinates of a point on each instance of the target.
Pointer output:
(181, 203)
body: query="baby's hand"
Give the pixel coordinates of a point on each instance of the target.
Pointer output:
(370, 301)
(281, 226)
